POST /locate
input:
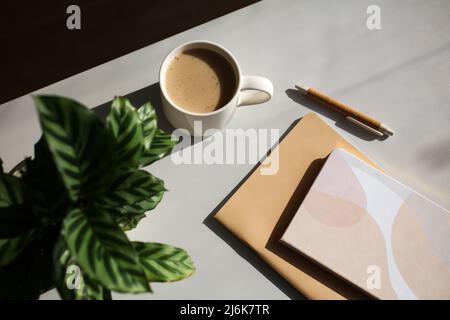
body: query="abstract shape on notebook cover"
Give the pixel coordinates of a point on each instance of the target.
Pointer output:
(373, 231)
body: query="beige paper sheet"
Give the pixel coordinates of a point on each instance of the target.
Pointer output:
(261, 209)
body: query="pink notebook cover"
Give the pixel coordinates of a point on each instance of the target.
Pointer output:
(374, 232)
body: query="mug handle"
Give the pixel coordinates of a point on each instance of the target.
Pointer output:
(255, 90)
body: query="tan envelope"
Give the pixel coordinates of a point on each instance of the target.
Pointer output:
(261, 209)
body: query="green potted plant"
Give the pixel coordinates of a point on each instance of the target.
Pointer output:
(63, 213)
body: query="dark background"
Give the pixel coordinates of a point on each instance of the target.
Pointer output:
(37, 49)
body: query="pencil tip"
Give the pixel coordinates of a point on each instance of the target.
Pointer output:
(385, 129)
(302, 89)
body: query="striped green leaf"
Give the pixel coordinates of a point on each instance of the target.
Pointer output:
(124, 124)
(144, 205)
(11, 190)
(154, 197)
(15, 218)
(92, 290)
(62, 259)
(71, 282)
(16, 223)
(164, 263)
(81, 147)
(157, 143)
(103, 251)
(128, 216)
(160, 146)
(12, 247)
(129, 221)
(147, 116)
(131, 186)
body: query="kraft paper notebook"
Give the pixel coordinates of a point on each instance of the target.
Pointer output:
(373, 232)
(259, 212)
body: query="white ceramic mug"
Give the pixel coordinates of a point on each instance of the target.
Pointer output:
(249, 90)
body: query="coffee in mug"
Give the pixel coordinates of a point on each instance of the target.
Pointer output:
(201, 83)
(200, 80)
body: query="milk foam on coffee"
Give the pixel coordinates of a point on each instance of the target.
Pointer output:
(200, 81)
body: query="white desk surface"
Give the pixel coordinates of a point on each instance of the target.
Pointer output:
(399, 74)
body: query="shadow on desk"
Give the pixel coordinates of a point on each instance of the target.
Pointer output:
(273, 244)
(339, 120)
(152, 94)
(243, 250)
